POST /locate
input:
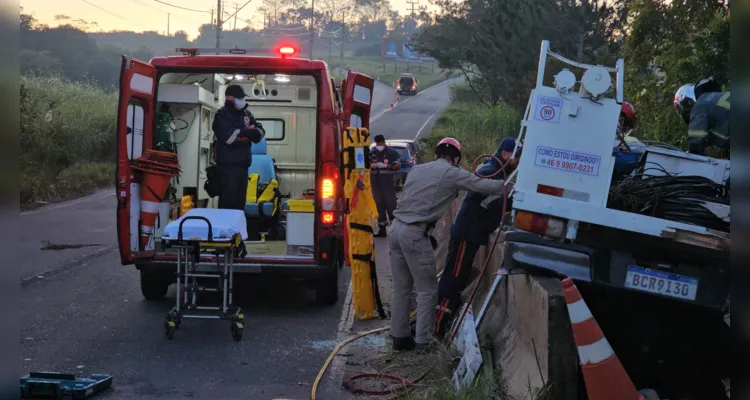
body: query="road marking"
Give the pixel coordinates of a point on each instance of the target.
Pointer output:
(425, 124)
(347, 315)
(67, 204)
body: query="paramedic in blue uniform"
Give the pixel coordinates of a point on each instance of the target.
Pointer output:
(477, 218)
(705, 109)
(235, 129)
(383, 166)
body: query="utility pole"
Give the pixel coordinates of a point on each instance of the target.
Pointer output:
(413, 3)
(212, 16)
(312, 31)
(167, 24)
(236, 8)
(218, 25)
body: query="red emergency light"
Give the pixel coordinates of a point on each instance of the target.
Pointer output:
(287, 51)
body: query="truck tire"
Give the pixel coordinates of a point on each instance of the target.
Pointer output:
(327, 290)
(153, 286)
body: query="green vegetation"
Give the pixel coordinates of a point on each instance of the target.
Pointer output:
(665, 44)
(373, 66)
(67, 147)
(479, 128)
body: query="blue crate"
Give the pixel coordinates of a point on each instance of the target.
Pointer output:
(57, 385)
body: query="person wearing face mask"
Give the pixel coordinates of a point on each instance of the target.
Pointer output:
(477, 218)
(428, 192)
(235, 129)
(383, 166)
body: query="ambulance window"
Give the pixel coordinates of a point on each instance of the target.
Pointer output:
(135, 130)
(361, 94)
(355, 121)
(274, 128)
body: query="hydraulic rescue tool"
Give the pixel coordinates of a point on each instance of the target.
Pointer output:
(360, 218)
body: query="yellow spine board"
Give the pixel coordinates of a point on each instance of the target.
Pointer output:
(360, 242)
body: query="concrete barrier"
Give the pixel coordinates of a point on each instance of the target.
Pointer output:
(526, 325)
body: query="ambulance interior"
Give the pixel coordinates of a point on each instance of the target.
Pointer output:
(281, 180)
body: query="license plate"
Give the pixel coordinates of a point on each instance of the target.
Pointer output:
(660, 282)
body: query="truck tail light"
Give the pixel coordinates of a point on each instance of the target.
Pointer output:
(414, 85)
(551, 227)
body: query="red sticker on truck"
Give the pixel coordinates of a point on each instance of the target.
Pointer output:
(566, 160)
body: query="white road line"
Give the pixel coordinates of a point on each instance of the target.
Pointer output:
(425, 124)
(347, 312)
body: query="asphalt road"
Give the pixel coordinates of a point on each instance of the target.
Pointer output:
(82, 312)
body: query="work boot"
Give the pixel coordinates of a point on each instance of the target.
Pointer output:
(403, 344)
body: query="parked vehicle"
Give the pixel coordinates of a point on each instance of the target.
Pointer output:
(409, 155)
(172, 101)
(657, 284)
(407, 84)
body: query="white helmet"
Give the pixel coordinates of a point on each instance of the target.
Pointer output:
(684, 100)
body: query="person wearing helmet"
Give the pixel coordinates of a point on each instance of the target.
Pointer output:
(428, 192)
(705, 109)
(477, 218)
(625, 126)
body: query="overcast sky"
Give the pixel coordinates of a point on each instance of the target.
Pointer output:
(147, 15)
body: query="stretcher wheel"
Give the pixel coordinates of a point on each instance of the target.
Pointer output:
(169, 329)
(237, 328)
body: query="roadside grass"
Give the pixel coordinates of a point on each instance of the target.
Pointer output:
(479, 128)
(67, 139)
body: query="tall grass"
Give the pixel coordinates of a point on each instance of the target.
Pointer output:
(479, 128)
(67, 138)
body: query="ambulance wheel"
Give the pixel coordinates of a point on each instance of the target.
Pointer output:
(327, 290)
(153, 286)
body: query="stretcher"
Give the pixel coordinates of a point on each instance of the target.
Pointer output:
(206, 232)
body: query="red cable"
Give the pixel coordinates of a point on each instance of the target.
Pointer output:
(494, 243)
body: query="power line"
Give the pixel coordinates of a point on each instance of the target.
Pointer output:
(118, 16)
(180, 7)
(166, 12)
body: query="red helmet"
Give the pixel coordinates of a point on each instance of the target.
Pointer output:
(449, 142)
(628, 113)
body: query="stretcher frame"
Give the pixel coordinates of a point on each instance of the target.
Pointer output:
(189, 252)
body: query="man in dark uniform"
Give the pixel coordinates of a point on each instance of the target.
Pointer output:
(235, 129)
(705, 109)
(477, 218)
(383, 166)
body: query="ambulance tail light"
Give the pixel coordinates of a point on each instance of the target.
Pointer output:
(328, 187)
(541, 225)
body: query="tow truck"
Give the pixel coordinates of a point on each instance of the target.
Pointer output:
(295, 228)
(658, 287)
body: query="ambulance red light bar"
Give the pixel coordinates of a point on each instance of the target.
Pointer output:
(287, 51)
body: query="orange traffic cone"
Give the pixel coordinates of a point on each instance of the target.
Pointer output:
(157, 169)
(603, 373)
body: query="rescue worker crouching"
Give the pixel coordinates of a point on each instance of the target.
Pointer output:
(477, 218)
(427, 194)
(235, 129)
(705, 109)
(383, 164)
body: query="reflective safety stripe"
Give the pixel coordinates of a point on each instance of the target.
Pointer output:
(578, 312)
(149, 206)
(697, 134)
(233, 137)
(713, 132)
(596, 352)
(147, 229)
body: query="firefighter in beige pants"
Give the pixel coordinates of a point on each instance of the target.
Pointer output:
(428, 192)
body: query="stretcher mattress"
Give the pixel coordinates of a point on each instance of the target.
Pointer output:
(224, 225)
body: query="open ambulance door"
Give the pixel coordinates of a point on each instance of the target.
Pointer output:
(356, 91)
(135, 132)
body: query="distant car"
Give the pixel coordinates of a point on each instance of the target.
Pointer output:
(407, 84)
(409, 155)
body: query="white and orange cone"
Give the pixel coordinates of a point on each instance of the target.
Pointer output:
(604, 375)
